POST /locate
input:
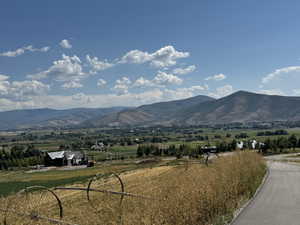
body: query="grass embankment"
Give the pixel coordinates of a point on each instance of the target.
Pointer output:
(180, 195)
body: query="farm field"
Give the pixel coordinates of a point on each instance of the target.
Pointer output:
(180, 194)
(121, 150)
(13, 181)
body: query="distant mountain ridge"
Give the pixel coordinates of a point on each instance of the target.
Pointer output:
(45, 117)
(161, 113)
(244, 107)
(240, 107)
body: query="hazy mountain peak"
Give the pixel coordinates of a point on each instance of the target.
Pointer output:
(241, 106)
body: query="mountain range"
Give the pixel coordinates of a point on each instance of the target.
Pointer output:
(162, 113)
(241, 107)
(44, 118)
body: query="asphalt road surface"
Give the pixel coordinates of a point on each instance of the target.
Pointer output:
(278, 202)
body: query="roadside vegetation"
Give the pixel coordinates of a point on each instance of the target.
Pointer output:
(190, 194)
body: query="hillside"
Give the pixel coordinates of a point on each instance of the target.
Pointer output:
(161, 113)
(241, 106)
(38, 118)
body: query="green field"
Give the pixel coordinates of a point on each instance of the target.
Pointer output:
(119, 153)
(13, 181)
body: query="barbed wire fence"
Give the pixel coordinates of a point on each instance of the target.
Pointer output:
(35, 215)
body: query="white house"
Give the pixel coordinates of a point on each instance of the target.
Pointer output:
(98, 146)
(240, 144)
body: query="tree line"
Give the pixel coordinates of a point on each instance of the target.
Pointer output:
(272, 133)
(20, 156)
(268, 146)
(280, 145)
(193, 151)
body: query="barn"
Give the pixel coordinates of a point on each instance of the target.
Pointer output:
(64, 158)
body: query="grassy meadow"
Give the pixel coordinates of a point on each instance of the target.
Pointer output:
(180, 194)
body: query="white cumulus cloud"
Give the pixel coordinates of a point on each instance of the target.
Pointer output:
(122, 85)
(65, 44)
(67, 69)
(101, 83)
(94, 100)
(142, 82)
(164, 57)
(98, 65)
(277, 73)
(181, 93)
(72, 84)
(163, 78)
(182, 71)
(136, 57)
(221, 91)
(22, 89)
(216, 77)
(3, 77)
(22, 50)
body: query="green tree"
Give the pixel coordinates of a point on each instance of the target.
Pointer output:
(282, 143)
(293, 141)
(233, 145)
(140, 151)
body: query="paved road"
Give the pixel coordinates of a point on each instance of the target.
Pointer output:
(278, 202)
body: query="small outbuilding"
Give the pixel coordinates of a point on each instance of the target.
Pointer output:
(98, 147)
(209, 149)
(240, 144)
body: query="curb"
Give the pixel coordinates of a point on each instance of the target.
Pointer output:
(258, 190)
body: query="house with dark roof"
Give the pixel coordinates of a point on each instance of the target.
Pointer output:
(64, 158)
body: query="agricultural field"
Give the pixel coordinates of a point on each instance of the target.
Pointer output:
(121, 150)
(124, 140)
(13, 181)
(190, 193)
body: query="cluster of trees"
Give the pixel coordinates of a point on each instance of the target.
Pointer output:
(20, 156)
(280, 144)
(272, 133)
(269, 146)
(74, 146)
(179, 151)
(171, 150)
(241, 135)
(227, 146)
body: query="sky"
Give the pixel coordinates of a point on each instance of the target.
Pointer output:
(68, 54)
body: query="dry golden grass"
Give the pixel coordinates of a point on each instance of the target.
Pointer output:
(197, 195)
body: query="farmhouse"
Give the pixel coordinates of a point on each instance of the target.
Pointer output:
(64, 158)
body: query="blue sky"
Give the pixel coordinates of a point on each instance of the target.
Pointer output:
(63, 54)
